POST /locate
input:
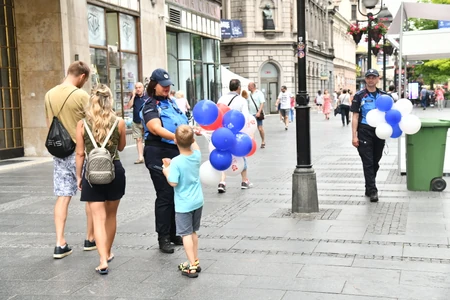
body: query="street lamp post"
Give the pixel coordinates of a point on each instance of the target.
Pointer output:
(386, 18)
(369, 4)
(304, 183)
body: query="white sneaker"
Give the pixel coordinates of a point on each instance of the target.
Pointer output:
(246, 184)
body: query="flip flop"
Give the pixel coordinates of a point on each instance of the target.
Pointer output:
(102, 271)
(110, 259)
(263, 145)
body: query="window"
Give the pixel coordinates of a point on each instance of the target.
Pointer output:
(354, 12)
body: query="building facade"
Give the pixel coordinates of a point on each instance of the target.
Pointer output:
(122, 40)
(266, 54)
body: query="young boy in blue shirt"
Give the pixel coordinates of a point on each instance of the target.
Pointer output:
(183, 173)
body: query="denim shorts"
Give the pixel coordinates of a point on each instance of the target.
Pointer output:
(258, 122)
(285, 112)
(64, 176)
(188, 223)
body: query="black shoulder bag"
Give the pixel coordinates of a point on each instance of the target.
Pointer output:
(261, 114)
(59, 143)
(232, 100)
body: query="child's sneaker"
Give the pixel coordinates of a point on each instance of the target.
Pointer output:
(185, 265)
(246, 184)
(222, 187)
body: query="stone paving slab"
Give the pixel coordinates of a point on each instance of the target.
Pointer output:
(251, 246)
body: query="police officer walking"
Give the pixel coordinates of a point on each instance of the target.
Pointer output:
(370, 147)
(161, 117)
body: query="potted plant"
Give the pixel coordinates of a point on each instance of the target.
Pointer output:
(388, 48)
(376, 49)
(356, 32)
(377, 30)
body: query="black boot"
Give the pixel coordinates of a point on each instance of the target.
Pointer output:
(177, 240)
(164, 244)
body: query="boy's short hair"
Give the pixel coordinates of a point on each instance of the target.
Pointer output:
(184, 136)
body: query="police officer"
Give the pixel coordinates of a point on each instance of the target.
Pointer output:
(161, 117)
(370, 147)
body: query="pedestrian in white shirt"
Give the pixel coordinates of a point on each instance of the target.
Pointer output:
(284, 99)
(235, 101)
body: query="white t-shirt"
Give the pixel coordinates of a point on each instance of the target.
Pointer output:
(345, 99)
(319, 99)
(182, 104)
(239, 103)
(285, 100)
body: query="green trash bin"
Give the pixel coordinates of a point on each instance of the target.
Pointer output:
(425, 153)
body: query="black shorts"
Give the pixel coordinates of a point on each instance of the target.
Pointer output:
(103, 192)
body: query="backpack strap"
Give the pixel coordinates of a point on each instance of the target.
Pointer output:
(110, 133)
(62, 105)
(86, 127)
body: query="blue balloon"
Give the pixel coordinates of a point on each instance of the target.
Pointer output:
(384, 103)
(233, 120)
(243, 145)
(205, 112)
(223, 139)
(396, 131)
(220, 160)
(393, 117)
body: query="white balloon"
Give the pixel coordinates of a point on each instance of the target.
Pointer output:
(250, 125)
(383, 131)
(404, 106)
(209, 175)
(375, 117)
(211, 147)
(410, 124)
(237, 166)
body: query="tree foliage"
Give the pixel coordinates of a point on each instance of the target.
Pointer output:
(437, 70)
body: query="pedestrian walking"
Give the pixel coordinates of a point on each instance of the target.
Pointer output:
(440, 97)
(344, 104)
(319, 101)
(161, 118)
(102, 199)
(393, 93)
(423, 97)
(291, 112)
(284, 100)
(182, 102)
(256, 108)
(183, 174)
(67, 101)
(235, 101)
(137, 128)
(326, 104)
(370, 147)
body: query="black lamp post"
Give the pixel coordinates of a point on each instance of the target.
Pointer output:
(369, 4)
(304, 184)
(386, 18)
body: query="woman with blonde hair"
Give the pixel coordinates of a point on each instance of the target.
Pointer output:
(103, 200)
(182, 102)
(440, 97)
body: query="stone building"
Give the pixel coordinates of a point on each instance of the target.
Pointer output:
(267, 56)
(122, 40)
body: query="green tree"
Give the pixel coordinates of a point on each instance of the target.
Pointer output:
(437, 70)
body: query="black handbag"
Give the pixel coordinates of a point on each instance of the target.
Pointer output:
(261, 114)
(59, 143)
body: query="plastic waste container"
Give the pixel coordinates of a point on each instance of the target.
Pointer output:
(425, 154)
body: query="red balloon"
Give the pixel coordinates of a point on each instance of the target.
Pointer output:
(223, 107)
(217, 123)
(253, 148)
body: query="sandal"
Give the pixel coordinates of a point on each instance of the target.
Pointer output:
(190, 271)
(263, 145)
(139, 161)
(103, 271)
(110, 258)
(185, 265)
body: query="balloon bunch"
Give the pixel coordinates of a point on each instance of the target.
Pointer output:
(230, 139)
(392, 119)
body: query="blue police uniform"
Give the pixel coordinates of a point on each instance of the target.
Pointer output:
(370, 146)
(157, 148)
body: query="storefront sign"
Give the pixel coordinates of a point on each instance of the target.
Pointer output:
(443, 24)
(202, 6)
(231, 29)
(323, 76)
(96, 25)
(127, 32)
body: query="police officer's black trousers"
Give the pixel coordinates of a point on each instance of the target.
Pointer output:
(370, 150)
(164, 204)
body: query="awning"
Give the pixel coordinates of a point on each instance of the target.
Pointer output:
(227, 75)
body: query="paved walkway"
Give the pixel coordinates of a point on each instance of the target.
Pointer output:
(251, 247)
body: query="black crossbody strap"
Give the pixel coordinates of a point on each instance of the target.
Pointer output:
(232, 99)
(254, 103)
(61, 106)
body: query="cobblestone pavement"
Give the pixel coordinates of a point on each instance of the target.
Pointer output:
(251, 245)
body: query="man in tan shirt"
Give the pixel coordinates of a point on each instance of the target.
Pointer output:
(64, 173)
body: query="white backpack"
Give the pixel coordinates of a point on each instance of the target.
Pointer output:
(99, 167)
